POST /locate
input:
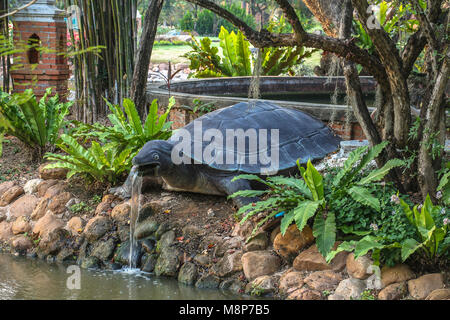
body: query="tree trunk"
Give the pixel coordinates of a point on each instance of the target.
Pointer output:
(139, 84)
(329, 14)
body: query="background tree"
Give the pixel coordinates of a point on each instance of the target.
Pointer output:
(391, 65)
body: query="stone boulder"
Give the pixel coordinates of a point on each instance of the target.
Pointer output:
(257, 243)
(21, 243)
(208, 281)
(439, 294)
(395, 291)
(24, 206)
(168, 263)
(291, 281)
(52, 242)
(323, 280)
(358, 268)
(10, 195)
(259, 263)
(188, 274)
(398, 273)
(40, 210)
(421, 287)
(47, 224)
(55, 189)
(21, 225)
(146, 228)
(97, 227)
(350, 289)
(121, 213)
(312, 260)
(104, 250)
(44, 186)
(32, 186)
(262, 286)
(75, 226)
(305, 294)
(289, 245)
(166, 240)
(52, 174)
(5, 231)
(229, 264)
(5, 186)
(58, 204)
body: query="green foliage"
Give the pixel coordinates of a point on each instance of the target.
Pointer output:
(317, 198)
(237, 60)
(80, 207)
(187, 22)
(128, 132)
(444, 186)
(205, 23)
(36, 123)
(98, 163)
(238, 12)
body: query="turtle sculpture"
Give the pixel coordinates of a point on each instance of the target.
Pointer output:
(248, 138)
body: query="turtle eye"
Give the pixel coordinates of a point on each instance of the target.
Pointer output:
(155, 157)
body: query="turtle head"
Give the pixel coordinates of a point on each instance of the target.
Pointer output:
(154, 157)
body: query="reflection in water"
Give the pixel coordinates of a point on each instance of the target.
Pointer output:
(21, 278)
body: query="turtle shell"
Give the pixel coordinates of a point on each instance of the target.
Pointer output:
(300, 136)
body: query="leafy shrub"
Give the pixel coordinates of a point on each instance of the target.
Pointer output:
(302, 200)
(238, 12)
(187, 22)
(205, 23)
(100, 163)
(128, 132)
(36, 123)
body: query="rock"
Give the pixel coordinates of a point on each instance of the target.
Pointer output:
(421, 287)
(335, 297)
(233, 285)
(10, 195)
(312, 260)
(398, 273)
(103, 208)
(351, 289)
(262, 285)
(188, 274)
(192, 231)
(124, 232)
(357, 268)
(5, 186)
(289, 245)
(149, 264)
(3, 214)
(290, 280)
(21, 225)
(439, 294)
(24, 206)
(323, 280)
(5, 231)
(40, 210)
(202, 259)
(168, 263)
(257, 243)
(54, 190)
(66, 254)
(208, 281)
(21, 243)
(222, 247)
(44, 186)
(90, 263)
(103, 250)
(243, 230)
(122, 254)
(395, 291)
(97, 227)
(229, 264)
(121, 213)
(163, 228)
(148, 245)
(58, 204)
(305, 294)
(146, 228)
(274, 233)
(52, 174)
(52, 242)
(32, 186)
(75, 226)
(47, 224)
(259, 263)
(166, 240)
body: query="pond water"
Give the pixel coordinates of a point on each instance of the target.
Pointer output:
(26, 279)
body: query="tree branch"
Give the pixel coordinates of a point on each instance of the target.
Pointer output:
(18, 9)
(292, 17)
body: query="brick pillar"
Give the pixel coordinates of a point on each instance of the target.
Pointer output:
(41, 32)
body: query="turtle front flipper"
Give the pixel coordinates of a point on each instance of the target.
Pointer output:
(230, 187)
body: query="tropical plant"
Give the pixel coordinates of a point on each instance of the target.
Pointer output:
(36, 123)
(128, 132)
(301, 200)
(236, 59)
(187, 22)
(444, 186)
(101, 163)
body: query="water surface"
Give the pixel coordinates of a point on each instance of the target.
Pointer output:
(26, 279)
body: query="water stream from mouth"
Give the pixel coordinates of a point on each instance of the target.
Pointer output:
(135, 209)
